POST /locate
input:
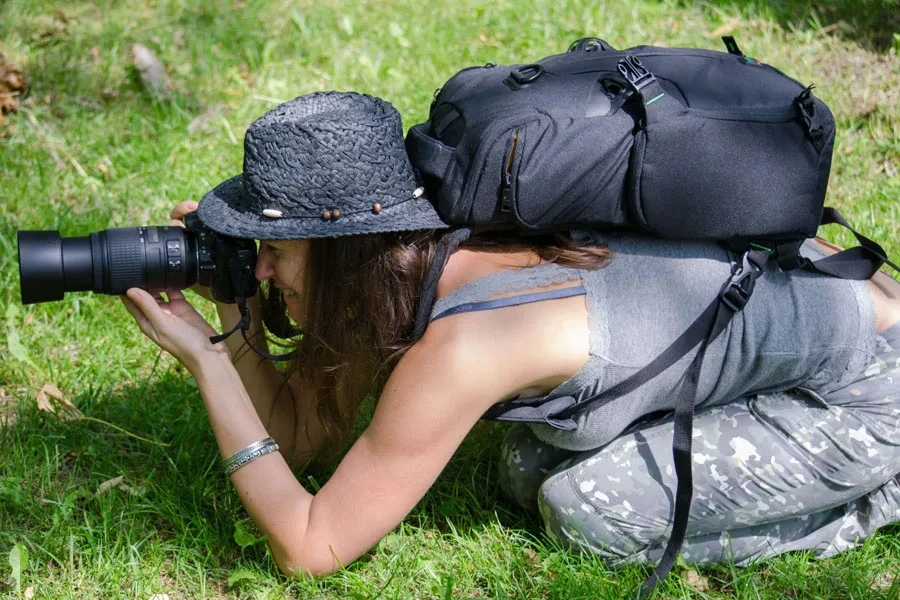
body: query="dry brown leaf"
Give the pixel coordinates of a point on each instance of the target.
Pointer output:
(883, 581)
(12, 86)
(696, 580)
(151, 70)
(724, 29)
(7, 409)
(133, 491)
(49, 396)
(109, 484)
(201, 122)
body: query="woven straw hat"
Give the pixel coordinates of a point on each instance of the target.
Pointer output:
(322, 165)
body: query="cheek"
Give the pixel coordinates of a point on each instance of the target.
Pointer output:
(291, 274)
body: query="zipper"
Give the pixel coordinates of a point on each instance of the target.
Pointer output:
(506, 185)
(467, 197)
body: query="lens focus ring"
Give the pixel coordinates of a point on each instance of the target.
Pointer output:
(126, 263)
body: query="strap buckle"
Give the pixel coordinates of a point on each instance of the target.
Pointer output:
(635, 72)
(815, 127)
(739, 287)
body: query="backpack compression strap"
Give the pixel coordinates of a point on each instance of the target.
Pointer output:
(860, 262)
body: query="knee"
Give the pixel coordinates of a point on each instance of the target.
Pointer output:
(520, 470)
(578, 513)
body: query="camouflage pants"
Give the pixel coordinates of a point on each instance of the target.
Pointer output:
(772, 473)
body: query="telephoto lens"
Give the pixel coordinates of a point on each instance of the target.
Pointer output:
(108, 262)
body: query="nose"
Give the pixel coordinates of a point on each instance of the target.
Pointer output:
(265, 267)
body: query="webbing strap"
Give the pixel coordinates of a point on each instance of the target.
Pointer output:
(703, 331)
(860, 262)
(681, 452)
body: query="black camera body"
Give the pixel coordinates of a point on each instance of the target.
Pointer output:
(152, 258)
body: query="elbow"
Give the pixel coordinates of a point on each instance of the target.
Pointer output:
(297, 563)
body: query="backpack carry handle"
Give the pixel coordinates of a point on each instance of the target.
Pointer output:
(590, 44)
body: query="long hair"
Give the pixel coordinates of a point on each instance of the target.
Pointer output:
(360, 295)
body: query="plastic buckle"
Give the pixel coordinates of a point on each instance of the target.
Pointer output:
(738, 289)
(635, 72)
(811, 118)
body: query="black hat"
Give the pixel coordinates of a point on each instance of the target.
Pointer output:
(322, 165)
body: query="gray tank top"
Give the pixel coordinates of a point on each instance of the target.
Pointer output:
(799, 329)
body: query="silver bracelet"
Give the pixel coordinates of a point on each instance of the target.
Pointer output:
(248, 454)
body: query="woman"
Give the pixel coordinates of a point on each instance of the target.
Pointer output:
(797, 429)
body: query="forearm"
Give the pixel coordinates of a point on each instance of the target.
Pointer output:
(273, 498)
(273, 402)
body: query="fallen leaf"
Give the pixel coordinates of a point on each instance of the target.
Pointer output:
(12, 86)
(202, 121)
(109, 484)
(724, 29)
(159, 597)
(29, 592)
(883, 581)
(133, 491)
(151, 70)
(49, 396)
(696, 580)
(7, 409)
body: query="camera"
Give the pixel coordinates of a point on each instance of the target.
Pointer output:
(153, 258)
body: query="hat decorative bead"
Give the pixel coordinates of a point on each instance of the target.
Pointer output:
(326, 215)
(376, 208)
(271, 212)
(336, 214)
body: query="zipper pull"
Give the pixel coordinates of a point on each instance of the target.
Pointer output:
(506, 193)
(506, 185)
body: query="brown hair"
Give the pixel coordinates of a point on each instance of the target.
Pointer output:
(360, 297)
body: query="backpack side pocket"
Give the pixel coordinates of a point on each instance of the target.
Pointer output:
(722, 174)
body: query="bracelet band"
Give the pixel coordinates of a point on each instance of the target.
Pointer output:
(248, 454)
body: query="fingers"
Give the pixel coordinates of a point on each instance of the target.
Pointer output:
(146, 303)
(141, 319)
(182, 209)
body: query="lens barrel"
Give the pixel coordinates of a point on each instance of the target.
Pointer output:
(108, 262)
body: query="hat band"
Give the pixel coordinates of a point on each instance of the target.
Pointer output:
(334, 214)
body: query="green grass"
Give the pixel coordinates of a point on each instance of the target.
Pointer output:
(90, 149)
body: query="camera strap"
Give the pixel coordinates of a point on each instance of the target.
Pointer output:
(244, 326)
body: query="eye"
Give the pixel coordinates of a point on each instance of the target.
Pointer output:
(276, 252)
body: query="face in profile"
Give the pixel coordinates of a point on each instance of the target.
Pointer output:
(283, 263)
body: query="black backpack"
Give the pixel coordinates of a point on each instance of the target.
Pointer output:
(680, 143)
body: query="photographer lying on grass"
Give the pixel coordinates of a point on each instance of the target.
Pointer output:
(797, 429)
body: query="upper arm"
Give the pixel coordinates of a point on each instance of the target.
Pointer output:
(433, 397)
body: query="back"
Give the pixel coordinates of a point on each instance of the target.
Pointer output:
(799, 329)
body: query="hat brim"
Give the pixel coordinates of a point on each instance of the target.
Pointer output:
(219, 210)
